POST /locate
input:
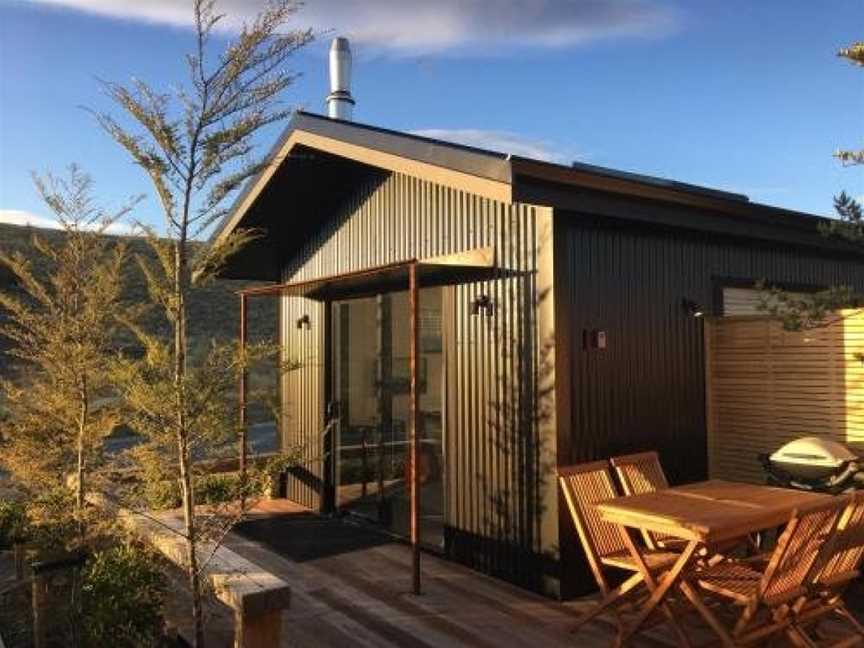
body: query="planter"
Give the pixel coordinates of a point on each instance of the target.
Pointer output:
(18, 552)
(56, 598)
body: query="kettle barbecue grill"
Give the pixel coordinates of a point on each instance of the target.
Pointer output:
(814, 464)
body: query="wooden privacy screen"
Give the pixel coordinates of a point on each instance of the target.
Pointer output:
(766, 386)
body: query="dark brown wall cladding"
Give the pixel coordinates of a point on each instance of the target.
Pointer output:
(646, 389)
(499, 467)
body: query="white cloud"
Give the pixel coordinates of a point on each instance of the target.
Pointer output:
(503, 142)
(25, 218)
(421, 26)
(21, 217)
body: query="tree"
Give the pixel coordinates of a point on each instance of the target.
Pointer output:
(799, 312)
(195, 143)
(63, 329)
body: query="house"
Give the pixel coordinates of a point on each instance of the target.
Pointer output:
(497, 317)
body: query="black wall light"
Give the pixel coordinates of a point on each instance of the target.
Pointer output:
(692, 308)
(484, 303)
(303, 322)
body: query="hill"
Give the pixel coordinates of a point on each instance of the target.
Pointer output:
(213, 309)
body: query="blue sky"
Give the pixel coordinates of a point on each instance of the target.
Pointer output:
(739, 95)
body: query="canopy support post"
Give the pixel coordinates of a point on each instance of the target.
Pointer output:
(242, 387)
(414, 326)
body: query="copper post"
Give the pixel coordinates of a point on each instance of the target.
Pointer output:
(244, 378)
(414, 321)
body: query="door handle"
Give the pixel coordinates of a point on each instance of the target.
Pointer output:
(332, 410)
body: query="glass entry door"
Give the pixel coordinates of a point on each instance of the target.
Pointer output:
(372, 385)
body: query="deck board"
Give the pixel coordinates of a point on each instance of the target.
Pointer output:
(364, 594)
(356, 592)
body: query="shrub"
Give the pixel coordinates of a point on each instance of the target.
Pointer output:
(52, 526)
(209, 489)
(122, 597)
(158, 486)
(13, 523)
(163, 494)
(217, 489)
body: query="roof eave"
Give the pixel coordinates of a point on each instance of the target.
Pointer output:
(479, 172)
(505, 178)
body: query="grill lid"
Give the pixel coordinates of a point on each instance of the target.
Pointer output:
(814, 451)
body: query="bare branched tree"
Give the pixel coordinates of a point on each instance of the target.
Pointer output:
(63, 329)
(195, 143)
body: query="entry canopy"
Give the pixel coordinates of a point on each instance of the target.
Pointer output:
(477, 264)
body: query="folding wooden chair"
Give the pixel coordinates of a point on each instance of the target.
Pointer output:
(642, 473)
(838, 565)
(766, 596)
(585, 485)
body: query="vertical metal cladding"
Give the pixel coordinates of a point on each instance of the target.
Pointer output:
(303, 396)
(646, 390)
(492, 485)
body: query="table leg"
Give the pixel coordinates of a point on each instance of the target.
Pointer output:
(658, 590)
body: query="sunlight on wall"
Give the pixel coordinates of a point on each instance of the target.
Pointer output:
(766, 386)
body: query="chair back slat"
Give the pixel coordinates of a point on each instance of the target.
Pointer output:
(846, 550)
(585, 485)
(798, 549)
(640, 473)
(643, 473)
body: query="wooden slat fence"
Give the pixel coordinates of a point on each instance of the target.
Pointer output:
(766, 386)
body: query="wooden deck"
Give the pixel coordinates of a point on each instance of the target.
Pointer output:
(357, 594)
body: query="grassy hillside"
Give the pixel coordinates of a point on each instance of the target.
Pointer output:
(213, 310)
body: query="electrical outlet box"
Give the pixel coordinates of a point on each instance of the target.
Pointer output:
(593, 339)
(599, 339)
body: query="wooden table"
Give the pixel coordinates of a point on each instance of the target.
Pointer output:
(703, 514)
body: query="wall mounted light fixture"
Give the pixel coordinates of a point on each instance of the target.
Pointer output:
(303, 322)
(692, 308)
(484, 303)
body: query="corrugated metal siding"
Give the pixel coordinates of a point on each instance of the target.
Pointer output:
(647, 389)
(493, 518)
(303, 411)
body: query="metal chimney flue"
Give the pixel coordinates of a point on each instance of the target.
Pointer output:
(340, 103)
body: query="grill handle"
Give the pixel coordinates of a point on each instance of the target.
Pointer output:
(834, 484)
(848, 472)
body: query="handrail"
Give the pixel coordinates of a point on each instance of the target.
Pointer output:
(388, 444)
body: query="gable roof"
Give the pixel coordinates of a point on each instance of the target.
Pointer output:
(508, 178)
(483, 172)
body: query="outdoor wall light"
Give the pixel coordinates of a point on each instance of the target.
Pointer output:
(692, 308)
(484, 303)
(304, 322)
